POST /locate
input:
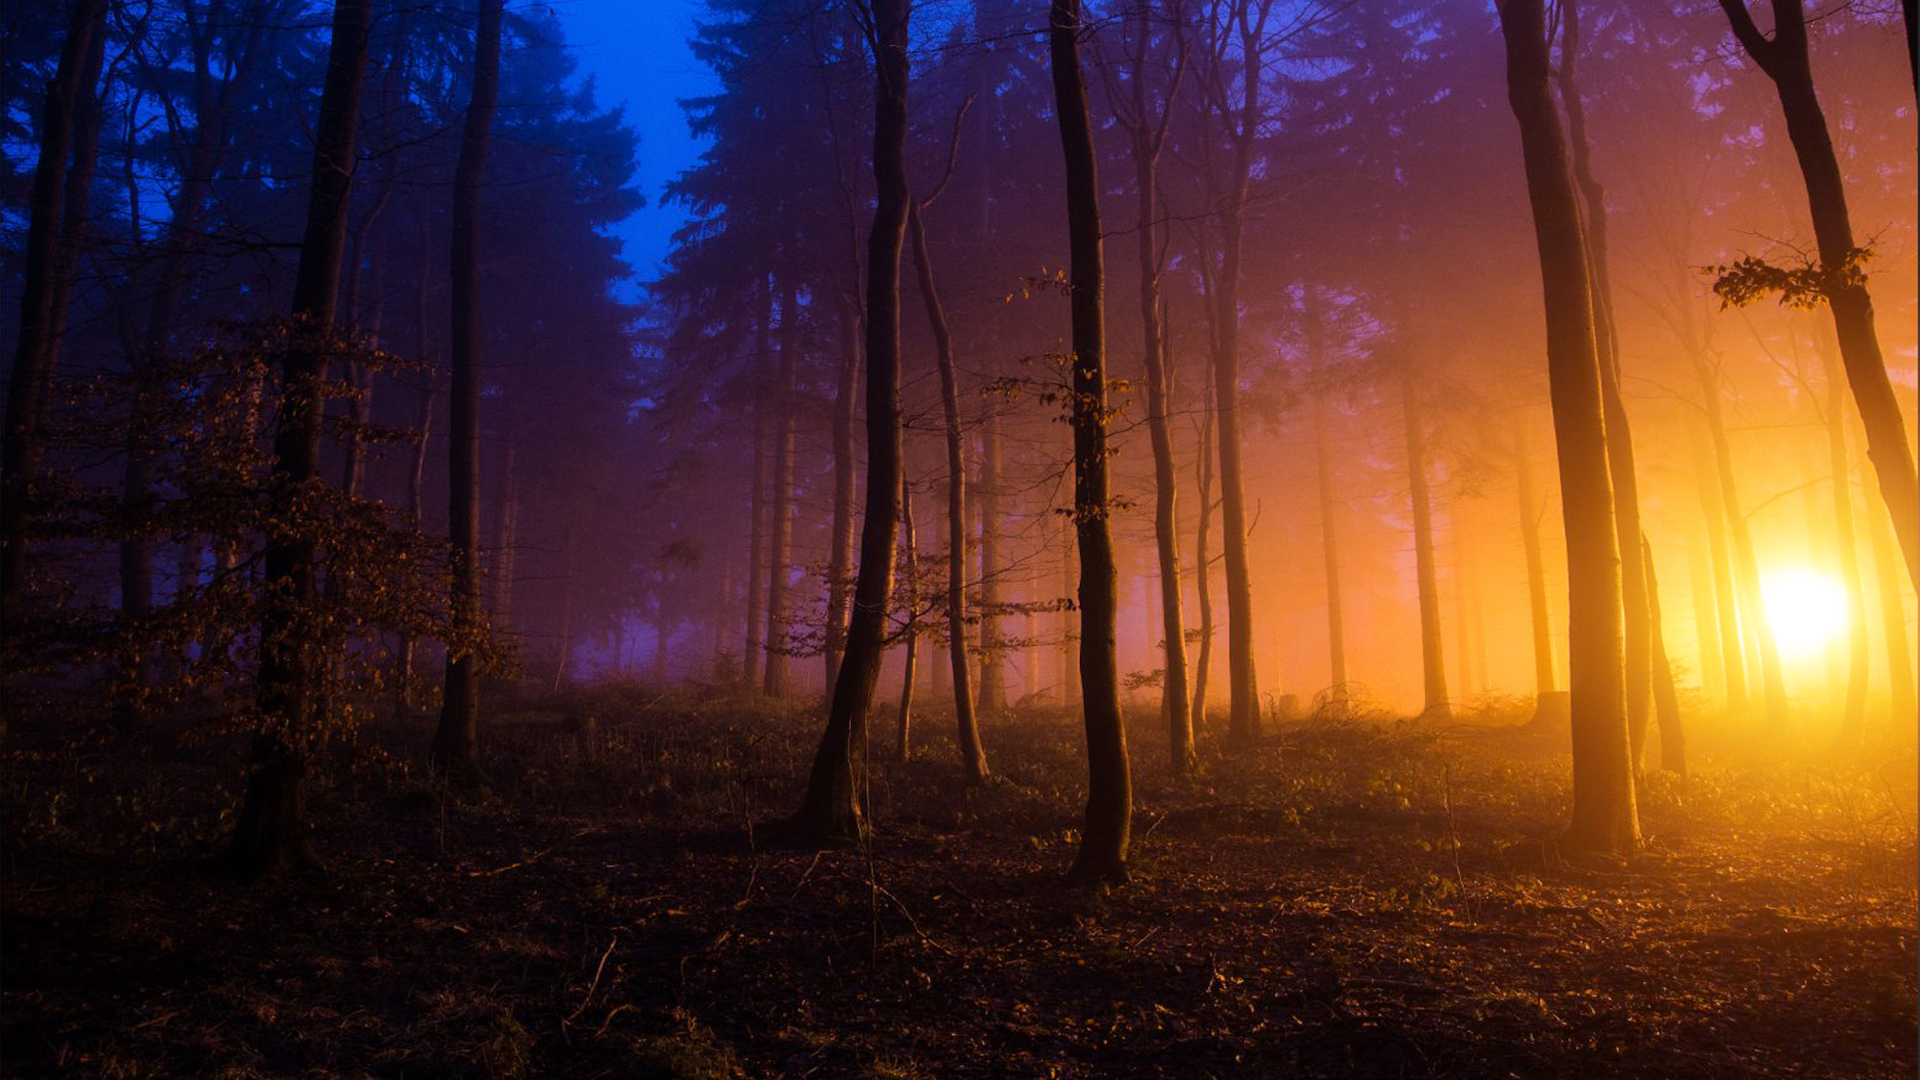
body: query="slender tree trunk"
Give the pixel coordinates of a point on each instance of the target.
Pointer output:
(1203, 573)
(1147, 139)
(973, 756)
(1605, 813)
(1706, 615)
(833, 807)
(24, 445)
(1069, 635)
(751, 653)
(1103, 844)
(1666, 697)
(1433, 663)
(506, 529)
(272, 832)
(1772, 683)
(993, 660)
(780, 511)
(1544, 679)
(1784, 58)
(1330, 561)
(845, 465)
(456, 745)
(1713, 512)
(1853, 720)
(1893, 622)
(1243, 695)
(910, 566)
(1634, 594)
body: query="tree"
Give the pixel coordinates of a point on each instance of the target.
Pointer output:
(1246, 22)
(456, 745)
(33, 356)
(972, 757)
(831, 808)
(1433, 664)
(1146, 138)
(1605, 814)
(1842, 282)
(271, 833)
(1102, 858)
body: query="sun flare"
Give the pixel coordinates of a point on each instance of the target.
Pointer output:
(1806, 608)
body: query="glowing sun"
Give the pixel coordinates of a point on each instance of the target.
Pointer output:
(1806, 608)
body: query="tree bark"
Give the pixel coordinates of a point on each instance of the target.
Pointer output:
(1102, 858)
(751, 656)
(910, 566)
(1203, 572)
(780, 508)
(833, 808)
(456, 745)
(1713, 512)
(1147, 137)
(24, 445)
(1433, 663)
(1772, 683)
(972, 754)
(1544, 679)
(993, 662)
(1893, 621)
(1784, 58)
(1853, 718)
(840, 557)
(1330, 553)
(1666, 697)
(272, 830)
(1634, 595)
(1605, 814)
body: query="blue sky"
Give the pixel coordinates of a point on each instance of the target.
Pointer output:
(636, 52)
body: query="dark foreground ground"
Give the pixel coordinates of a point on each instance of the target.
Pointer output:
(1348, 900)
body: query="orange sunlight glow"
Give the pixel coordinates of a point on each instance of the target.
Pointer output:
(1806, 608)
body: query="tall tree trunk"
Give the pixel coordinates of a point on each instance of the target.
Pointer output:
(832, 808)
(1725, 588)
(416, 491)
(1109, 819)
(973, 756)
(1638, 604)
(1666, 698)
(1203, 572)
(1147, 137)
(845, 466)
(272, 832)
(1893, 622)
(1330, 559)
(1605, 813)
(1433, 662)
(993, 658)
(24, 445)
(1243, 695)
(910, 566)
(506, 528)
(1772, 683)
(1706, 615)
(751, 655)
(456, 745)
(1853, 719)
(1784, 58)
(780, 509)
(1531, 510)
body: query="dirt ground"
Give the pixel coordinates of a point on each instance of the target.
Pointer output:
(1347, 900)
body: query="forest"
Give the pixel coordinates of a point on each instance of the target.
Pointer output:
(1020, 538)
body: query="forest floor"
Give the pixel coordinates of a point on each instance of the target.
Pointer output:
(1364, 900)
